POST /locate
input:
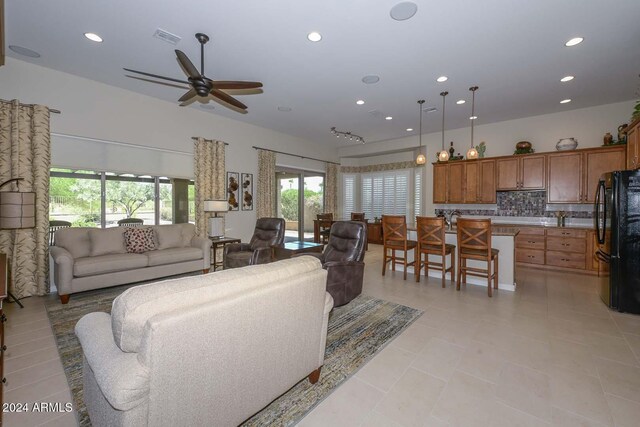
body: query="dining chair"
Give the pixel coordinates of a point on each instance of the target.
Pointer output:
(431, 241)
(55, 225)
(357, 216)
(474, 243)
(394, 238)
(325, 222)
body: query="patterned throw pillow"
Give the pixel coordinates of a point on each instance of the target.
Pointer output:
(140, 239)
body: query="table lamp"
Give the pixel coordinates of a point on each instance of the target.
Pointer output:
(216, 225)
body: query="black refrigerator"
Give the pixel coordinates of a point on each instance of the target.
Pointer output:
(617, 221)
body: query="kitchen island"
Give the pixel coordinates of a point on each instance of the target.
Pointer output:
(502, 238)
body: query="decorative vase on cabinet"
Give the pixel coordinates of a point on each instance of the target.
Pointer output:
(566, 144)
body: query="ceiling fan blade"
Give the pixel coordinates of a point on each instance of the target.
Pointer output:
(227, 98)
(187, 96)
(230, 84)
(156, 76)
(158, 82)
(187, 65)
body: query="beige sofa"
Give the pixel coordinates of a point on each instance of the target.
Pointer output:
(207, 350)
(93, 258)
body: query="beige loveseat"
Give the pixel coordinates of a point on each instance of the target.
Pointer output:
(92, 258)
(207, 350)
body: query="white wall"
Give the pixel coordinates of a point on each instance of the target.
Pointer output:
(587, 125)
(95, 110)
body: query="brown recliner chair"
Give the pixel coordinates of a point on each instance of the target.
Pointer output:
(268, 232)
(343, 258)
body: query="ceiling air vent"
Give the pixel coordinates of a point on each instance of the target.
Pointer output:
(166, 36)
(430, 109)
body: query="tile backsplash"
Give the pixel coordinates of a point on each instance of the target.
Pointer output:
(521, 204)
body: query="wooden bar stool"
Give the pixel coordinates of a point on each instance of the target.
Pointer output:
(394, 238)
(325, 222)
(431, 241)
(474, 242)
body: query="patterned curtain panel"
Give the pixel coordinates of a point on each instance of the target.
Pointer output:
(331, 190)
(266, 188)
(25, 152)
(209, 181)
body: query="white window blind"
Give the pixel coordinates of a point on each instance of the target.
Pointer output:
(385, 193)
(348, 195)
(417, 192)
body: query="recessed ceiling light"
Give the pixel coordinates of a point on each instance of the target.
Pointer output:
(314, 36)
(24, 51)
(403, 11)
(359, 102)
(284, 109)
(566, 79)
(574, 41)
(442, 79)
(473, 117)
(565, 101)
(370, 79)
(93, 37)
(388, 118)
(460, 101)
(409, 129)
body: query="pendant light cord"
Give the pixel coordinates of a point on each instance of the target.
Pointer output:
(473, 109)
(443, 94)
(420, 102)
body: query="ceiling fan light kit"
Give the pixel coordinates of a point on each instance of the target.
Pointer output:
(201, 86)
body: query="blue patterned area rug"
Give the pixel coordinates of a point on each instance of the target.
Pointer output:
(357, 331)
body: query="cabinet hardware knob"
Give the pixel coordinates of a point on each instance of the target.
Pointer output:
(4, 348)
(4, 380)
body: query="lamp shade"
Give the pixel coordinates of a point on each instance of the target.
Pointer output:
(17, 210)
(216, 206)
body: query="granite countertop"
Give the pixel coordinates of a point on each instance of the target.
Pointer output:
(579, 227)
(496, 230)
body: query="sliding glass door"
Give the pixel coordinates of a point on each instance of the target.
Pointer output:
(300, 197)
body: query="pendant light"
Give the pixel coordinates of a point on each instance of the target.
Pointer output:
(443, 155)
(421, 159)
(472, 153)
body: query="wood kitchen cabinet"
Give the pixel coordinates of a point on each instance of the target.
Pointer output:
(521, 173)
(456, 183)
(573, 176)
(598, 162)
(633, 145)
(440, 182)
(374, 232)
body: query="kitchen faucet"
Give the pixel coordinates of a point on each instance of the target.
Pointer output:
(449, 221)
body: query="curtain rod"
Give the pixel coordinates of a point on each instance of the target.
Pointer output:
(124, 144)
(295, 155)
(195, 138)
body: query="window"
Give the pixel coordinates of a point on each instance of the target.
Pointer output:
(348, 195)
(101, 199)
(385, 193)
(417, 192)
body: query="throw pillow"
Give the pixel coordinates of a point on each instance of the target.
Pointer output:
(107, 241)
(140, 239)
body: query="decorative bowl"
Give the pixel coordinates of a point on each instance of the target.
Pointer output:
(566, 144)
(523, 145)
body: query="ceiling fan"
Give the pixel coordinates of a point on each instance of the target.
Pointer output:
(200, 85)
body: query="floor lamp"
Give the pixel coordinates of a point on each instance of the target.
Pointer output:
(216, 223)
(17, 211)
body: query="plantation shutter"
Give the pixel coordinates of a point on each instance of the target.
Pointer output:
(348, 195)
(367, 193)
(417, 192)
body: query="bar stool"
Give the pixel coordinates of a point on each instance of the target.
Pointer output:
(474, 242)
(325, 222)
(431, 241)
(394, 238)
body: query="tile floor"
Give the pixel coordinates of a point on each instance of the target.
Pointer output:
(549, 354)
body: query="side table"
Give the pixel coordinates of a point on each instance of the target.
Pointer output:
(289, 249)
(220, 242)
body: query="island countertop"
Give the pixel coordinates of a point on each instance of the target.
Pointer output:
(496, 230)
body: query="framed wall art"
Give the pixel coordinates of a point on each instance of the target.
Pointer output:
(246, 189)
(233, 187)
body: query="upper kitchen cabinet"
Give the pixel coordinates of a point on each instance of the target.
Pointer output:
(633, 145)
(521, 173)
(573, 176)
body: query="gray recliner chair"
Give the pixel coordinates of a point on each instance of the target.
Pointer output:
(268, 232)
